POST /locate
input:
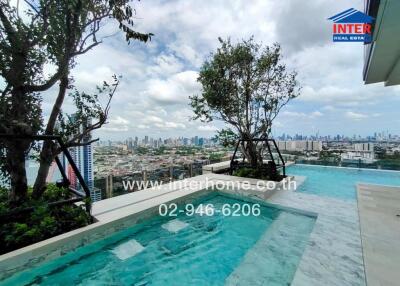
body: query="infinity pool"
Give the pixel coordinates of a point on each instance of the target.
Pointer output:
(187, 250)
(340, 182)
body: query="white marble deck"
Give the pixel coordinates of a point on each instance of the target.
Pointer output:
(379, 210)
(333, 255)
(334, 252)
(273, 258)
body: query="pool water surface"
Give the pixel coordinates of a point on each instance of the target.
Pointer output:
(185, 250)
(340, 182)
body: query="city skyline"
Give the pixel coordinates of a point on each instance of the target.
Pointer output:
(136, 141)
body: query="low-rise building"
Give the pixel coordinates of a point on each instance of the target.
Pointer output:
(300, 145)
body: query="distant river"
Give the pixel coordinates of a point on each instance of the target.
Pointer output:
(32, 168)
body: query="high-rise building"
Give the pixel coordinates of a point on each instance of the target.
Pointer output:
(83, 158)
(130, 143)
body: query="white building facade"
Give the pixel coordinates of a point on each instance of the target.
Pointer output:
(300, 145)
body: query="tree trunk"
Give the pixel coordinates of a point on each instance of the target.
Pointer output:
(16, 165)
(48, 151)
(18, 122)
(253, 156)
(249, 150)
(17, 148)
(46, 158)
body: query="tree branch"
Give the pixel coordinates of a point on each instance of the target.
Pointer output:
(85, 50)
(7, 25)
(102, 120)
(32, 7)
(63, 70)
(76, 144)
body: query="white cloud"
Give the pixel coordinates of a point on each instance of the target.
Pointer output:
(119, 121)
(93, 77)
(166, 64)
(329, 108)
(187, 53)
(294, 114)
(117, 124)
(355, 115)
(289, 13)
(142, 126)
(170, 125)
(207, 128)
(153, 119)
(174, 90)
(316, 114)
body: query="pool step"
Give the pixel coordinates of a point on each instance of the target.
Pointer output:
(127, 249)
(274, 258)
(174, 225)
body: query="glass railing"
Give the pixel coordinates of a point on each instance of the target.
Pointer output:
(356, 164)
(111, 185)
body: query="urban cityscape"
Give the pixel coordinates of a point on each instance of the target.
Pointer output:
(105, 163)
(113, 160)
(185, 150)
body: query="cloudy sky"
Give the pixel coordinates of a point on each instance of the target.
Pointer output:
(158, 77)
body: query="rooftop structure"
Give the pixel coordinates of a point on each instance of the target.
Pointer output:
(382, 55)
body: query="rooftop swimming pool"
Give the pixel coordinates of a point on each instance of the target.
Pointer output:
(187, 250)
(340, 182)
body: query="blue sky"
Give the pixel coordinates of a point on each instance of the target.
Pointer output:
(159, 77)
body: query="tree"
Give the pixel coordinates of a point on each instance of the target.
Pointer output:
(226, 137)
(50, 33)
(245, 85)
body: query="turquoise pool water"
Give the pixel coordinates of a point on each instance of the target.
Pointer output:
(200, 250)
(340, 182)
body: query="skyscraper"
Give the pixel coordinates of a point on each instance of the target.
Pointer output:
(130, 143)
(83, 158)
